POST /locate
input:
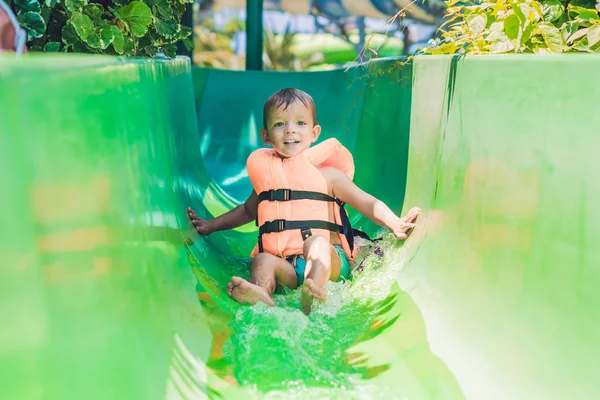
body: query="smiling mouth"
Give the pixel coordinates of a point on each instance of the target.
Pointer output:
(291, 142)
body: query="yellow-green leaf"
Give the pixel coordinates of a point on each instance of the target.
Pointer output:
(552, 10)
(593, 35)
(552, 37)
(578, 35)
(476, 23)
(512, 26)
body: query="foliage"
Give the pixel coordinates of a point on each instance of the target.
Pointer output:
(213, 47)
(520, 26)
(103, 26)
(279, 54)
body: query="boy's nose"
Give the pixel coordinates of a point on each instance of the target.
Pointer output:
(290, 128)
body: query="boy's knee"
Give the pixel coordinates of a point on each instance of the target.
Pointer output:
(260, 259)
(316, 243)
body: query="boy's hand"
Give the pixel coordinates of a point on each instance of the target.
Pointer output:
(403, 225)
(201, 225)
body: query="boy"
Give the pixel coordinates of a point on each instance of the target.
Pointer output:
(298, 198)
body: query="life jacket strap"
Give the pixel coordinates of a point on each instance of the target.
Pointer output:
(280, 225)
(289, 194)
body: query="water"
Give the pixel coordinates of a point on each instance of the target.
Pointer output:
(279, 352)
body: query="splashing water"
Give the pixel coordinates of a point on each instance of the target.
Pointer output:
(279, 352)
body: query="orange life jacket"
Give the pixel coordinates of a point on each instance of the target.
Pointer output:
(293, 198)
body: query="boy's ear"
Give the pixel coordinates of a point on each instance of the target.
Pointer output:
(264, 135)
(316, 132)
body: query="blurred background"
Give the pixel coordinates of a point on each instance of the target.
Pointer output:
(301, 35)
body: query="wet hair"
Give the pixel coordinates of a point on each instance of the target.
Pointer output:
(285, 97)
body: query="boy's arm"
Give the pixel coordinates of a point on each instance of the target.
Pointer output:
(238, 216)
(376, 210)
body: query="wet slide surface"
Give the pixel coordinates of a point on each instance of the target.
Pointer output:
(492, 297)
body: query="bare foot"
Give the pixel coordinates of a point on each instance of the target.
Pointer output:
(310, 290)
(247, 293)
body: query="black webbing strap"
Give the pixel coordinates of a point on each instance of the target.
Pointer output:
(288, 195)
(280, 225)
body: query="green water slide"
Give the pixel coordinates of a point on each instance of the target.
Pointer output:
(107, 293)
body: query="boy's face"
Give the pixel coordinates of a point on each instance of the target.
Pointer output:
(291, 130)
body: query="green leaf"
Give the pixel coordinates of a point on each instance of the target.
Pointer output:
(520, 14)
(184, 32)
(151, 50)
(497, 27)
(71, 39)
(529, 12)
(537, 7)
(52, 47)
(137, 16)
(577, 35)
(83, 25)
(501, 44)
(589, 15)
(95, 12)
(476, 23)
(552, 9)
(512, 26)
(128, 46)
(170, 50)
(552, 37)
(33, 23)
(45, 13)
(593, 35)
(23, 6)
(166, 29)
(51, 3)
(101, 38)
(583, 13)
(526, 33)
(188, 44)
(582, 45)
(118, 40)
(164, 9)
(75, 5)
(569, 29)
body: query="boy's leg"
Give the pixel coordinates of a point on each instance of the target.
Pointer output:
(267, 271)
(322, 264)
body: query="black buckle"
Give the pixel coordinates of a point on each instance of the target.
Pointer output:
(287, 194)
(275, 226)
(280, 195)
(306, 233)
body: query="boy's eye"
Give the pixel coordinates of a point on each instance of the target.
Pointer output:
(278, 124)
(301, 123)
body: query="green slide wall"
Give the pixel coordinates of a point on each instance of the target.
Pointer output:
(504, 264)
